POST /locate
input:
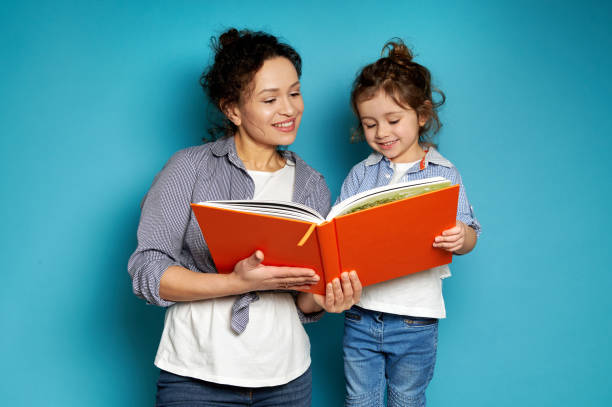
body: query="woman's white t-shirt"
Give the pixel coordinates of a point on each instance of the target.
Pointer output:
(274, 349)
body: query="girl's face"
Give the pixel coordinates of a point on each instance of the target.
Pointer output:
(270, 111)
(391, 129)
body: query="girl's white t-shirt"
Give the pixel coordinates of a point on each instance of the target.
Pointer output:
(274, 349)
(418, 294)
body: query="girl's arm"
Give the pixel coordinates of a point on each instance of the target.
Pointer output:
(460, 239)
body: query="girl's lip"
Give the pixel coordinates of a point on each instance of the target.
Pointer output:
(385, 146)
(289, 126)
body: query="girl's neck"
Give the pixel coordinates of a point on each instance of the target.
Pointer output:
(257, 156)
(414, 154)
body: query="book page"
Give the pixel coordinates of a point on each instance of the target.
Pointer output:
(280, 209)
(386, 194)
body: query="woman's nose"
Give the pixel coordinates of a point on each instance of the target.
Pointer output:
(287, 107)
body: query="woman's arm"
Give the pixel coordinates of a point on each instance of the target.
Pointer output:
(180, 284)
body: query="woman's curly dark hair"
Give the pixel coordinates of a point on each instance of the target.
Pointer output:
(238, 57)
(407, 82)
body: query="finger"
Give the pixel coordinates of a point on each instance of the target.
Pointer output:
(329, 297)
(285, 282)
(452, 231)
(357, 288)
(448, 236)
(451, 248)
(448, 239)
(347, 289)
(447, 245)
(253, 260)
(338, 296)
(289, 272)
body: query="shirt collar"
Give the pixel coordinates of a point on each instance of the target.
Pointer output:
(303, 174)
(432, 156)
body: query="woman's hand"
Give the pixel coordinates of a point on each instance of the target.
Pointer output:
(250, 275)
(340, 294)
(459, 239)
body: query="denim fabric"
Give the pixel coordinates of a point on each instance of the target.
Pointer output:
(388, 352)
(180, 391)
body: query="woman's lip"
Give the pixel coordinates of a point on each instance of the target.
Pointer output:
(289, 126)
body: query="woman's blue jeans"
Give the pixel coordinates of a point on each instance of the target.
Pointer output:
(388, 352)
(179, 391)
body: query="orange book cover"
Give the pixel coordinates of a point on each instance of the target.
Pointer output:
(380, 243)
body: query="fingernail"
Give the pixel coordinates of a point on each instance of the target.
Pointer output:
(353, 273)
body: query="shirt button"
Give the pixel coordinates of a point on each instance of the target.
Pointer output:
(388, 176)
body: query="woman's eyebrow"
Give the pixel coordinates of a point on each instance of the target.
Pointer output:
(276, 89)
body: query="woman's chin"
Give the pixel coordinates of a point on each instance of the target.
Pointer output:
(285, 139)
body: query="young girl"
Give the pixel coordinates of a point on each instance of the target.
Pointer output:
(390, 336)
(229, 340)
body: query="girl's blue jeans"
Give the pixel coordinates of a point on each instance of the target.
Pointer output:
(180, 391)
(388, 352)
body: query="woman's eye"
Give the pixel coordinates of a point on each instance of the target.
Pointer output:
(295, 94)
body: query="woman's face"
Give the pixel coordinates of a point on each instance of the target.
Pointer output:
(269, 112)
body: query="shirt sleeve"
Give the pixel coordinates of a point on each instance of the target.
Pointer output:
(323, 197)
(465, 212)
(350, 185)
(163, 222)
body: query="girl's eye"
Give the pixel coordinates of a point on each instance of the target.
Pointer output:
(369, 125)
(295, 94)
(272, 100)
(393, 121)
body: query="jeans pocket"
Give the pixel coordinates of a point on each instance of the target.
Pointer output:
(420, 321)
(348, 315)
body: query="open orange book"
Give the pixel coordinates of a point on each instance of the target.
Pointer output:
(382, 233)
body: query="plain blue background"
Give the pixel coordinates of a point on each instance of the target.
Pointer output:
(96, 97)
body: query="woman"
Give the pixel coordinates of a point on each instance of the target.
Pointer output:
(227, 338)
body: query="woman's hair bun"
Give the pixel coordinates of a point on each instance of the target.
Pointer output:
(398, 52)
(229, 37)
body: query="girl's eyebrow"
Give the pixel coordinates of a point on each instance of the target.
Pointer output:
(384, 114)
(276, 89)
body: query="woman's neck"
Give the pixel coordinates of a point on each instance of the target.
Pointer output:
(257, 156)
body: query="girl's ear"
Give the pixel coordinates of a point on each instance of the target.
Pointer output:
(424, 112)
(232, 112)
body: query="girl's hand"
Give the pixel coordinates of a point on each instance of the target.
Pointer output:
(452, 239)
(340, 294)
(250, 275)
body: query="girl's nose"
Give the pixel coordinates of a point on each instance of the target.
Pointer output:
(382, 130)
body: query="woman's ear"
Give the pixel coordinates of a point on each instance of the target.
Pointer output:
(232, 112)
(424, 112)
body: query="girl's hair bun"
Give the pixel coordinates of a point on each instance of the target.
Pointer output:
(398, 52)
